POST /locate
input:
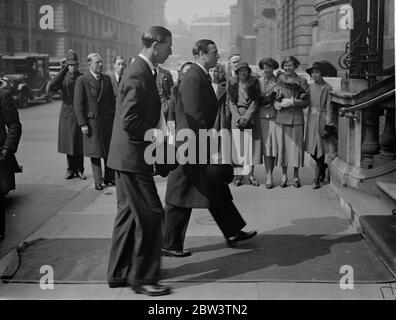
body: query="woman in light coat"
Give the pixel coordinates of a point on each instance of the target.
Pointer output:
(319, 129)
(243, 92)
(294, 97)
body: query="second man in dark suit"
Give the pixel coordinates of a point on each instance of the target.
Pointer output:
(94, 105)
(196, 110)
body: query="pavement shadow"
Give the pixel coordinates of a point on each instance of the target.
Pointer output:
(262, 258)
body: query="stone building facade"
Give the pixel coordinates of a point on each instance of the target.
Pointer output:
(266, 26)
(243, 33)
(295, 18)
(109, 27)
(216, 28)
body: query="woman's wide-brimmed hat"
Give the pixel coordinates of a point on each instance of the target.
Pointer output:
(71, 57)
(242, 65)
(272, 63)
(317, 66)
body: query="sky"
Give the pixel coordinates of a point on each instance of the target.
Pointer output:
(186, 9)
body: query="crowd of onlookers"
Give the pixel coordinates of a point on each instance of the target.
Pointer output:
(272, 106)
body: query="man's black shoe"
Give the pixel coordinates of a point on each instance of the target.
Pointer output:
(114, 285)
(98, 186)
(80, 174)
(69, 175)
(2, 237)
(241, 236)
(153, 290)
(175, 253)
(110, 182)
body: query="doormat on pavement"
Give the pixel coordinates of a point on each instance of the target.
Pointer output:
(268, 257)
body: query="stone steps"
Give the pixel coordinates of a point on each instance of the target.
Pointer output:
(374, 217)
(380, 231)
(388, 194)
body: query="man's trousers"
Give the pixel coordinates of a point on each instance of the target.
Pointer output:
(137, 235)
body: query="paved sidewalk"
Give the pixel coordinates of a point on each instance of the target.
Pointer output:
(301, 212)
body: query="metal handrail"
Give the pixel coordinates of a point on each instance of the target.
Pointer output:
(368, 103)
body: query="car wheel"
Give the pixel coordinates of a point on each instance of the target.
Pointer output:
(23, 99)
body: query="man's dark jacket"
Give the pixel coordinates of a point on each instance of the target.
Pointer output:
(10, 135)
(197, 108)
(138, 110)
(70, 139)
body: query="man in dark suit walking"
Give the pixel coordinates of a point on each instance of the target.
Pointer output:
(197, 109)
(137, 235)
(119, 65)
(94, 105)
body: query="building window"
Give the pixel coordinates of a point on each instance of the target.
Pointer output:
(10, 44)
(39, 46)
(24, 12)
(25, 45)
(288, 25)
(9, 11)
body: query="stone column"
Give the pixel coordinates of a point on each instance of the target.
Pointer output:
(331, 40)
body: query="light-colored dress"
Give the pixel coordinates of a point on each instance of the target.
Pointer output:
(267, 116)
(320, 100)
(290, 129)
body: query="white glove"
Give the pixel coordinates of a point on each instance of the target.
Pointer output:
(277, 105)
(287, 103)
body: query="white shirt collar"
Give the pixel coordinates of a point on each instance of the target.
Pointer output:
(202, 68)
(96, 76)
(117, 76)
(148, 62)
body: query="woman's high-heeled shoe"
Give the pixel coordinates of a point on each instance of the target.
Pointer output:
(316, 184)
(297, 183)
(238, 182)
(283, 183)
(253, 181)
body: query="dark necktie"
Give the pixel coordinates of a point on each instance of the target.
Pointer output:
(155, 74)
(209, 77)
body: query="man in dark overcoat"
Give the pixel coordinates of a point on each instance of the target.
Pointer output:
(70, 138)
(119, 65)
(197, 109)
(137, 236)
(94, 105)
(10, 135)
(164, 86)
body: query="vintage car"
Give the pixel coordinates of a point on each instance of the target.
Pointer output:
(55, 65)
(27, 75)
(3, 81)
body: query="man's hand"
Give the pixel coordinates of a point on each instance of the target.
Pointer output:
(4, 155)
(85, 130)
